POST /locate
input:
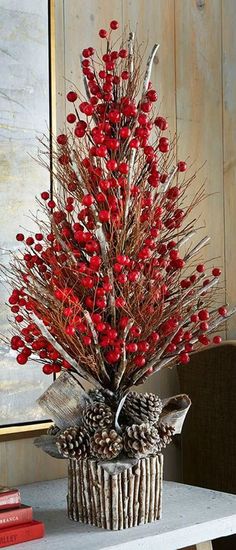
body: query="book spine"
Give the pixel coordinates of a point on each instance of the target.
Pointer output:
(10, 501)
(17, 516)
(23, 533)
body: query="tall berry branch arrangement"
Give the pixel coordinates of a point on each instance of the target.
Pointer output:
(110, 287)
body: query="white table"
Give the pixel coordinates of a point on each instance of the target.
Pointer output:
(190, 515)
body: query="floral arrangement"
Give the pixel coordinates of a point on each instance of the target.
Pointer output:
(110, 289)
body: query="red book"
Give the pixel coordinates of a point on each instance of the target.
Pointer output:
(21, 533)
(16, 516)
(9, 498)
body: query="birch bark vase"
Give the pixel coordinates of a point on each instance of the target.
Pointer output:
(115, 501)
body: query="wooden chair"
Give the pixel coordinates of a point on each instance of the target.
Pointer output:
(208, 442)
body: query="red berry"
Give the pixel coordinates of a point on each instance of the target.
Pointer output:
(140, 361)
(47, 369)
(203, 339)
(134, 143)
(113, 356)
(203, 315)
(120, 302)
(87, 200)
(62, 139)
(217, 339)
(123, 53)
(194, 318)
(111, 165)
(124, 75)
(200, 268)
(161, 122)
(152, 95)
(20, 237)
(216, 272)
(51, 204)
(125, 132)
(71, 118)
(87, 340)
(22, 358)
(132, 347)
(143, 346)
(184, 358)
(29, 241)
(114, 25)
(154, 337)
(104, 216)
(38, 236)
(223, 311)
(45, 195)
(70, 330)
(72, 96)
(204, 326)
(182, 166)
(102, 33)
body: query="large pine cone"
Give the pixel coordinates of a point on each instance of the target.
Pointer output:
(140, 440)
(73, 443)
(142, 407)
(97, 416)
(106, 444)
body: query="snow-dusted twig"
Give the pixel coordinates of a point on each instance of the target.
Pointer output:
(149, 68)
(120, 406)
(85, 81)
(172, 173)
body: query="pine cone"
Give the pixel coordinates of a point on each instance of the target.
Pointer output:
(106, 444)
(140, 440)
(97, 416)
(96, 396)
(73, 443)
(53, 430)
(165, 433)
(142, 407)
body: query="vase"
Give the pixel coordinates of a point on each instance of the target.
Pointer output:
(115, 501)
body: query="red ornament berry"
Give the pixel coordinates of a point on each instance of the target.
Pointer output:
(143, 346)
(152, 95)
(88, 200)
(114, 25)
(102, 33)
(200, 268)
(120, 302)
(45, 195)
(203, 315)
(132, 347)
(184, 358)
(111, 165)
(62, 139)
(223, 311)
(124, 75)
(104, 216)
(70, 330)
(72, 96)
(123, 53)
(216, 272)
(22, 358)
(20, 237)
(161, 123)
(217, 339)
(182, 166)
(125, 132)
(140, 361)
(47, 369)
(71, 118)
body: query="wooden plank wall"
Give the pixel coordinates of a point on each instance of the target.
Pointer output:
(195, 75)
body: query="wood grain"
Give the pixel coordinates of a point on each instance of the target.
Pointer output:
(229, 142)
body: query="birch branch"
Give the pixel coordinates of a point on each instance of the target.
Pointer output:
(131, 53)
(149, 68)
(62, 352)
(121, 370)
(97, 349)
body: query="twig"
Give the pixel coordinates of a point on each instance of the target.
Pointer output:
(131, 53)
(149, 68)
(121, 370)
(62, 352)
(97, 349)
(196, 249)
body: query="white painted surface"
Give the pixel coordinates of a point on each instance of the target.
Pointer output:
(190, 515)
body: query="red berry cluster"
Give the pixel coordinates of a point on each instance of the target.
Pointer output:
(131, 292)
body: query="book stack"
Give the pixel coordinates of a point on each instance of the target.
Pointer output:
(16, 519)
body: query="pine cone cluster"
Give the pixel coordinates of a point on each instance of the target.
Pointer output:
(141, 433)
(73, 443)
(97, 416)
(106, 444)
(140, 440)
(142, 407)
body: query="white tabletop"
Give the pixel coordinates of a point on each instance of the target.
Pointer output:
(190, 515)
